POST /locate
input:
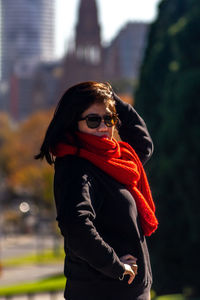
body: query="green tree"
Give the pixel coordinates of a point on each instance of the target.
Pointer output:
(168, 98)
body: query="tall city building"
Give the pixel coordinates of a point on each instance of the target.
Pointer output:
(27, 39)
(27, 35)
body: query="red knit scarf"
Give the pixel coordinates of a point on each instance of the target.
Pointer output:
(119, 160)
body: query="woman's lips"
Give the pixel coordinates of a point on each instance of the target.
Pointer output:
(104, 136)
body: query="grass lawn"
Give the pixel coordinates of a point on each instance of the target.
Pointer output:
(170, 297)
(51, 284)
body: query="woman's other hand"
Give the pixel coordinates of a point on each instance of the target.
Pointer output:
(130, 272)
(131, 261)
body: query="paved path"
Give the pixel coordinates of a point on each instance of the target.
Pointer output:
(28, 273)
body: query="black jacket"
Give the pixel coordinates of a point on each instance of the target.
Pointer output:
(99, 220)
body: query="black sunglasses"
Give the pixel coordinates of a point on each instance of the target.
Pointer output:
(94, 120)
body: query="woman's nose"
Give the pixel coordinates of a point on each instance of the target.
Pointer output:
(102, 126)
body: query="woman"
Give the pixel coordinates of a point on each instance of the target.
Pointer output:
(103, 200)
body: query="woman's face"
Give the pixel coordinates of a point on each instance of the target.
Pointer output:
(102, 130)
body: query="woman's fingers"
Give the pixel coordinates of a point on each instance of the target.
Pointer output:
(131, 278)
(131, 267)
(134, 268)
(130, 272)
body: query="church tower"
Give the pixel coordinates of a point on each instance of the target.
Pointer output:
(84, 61)
(88, 41)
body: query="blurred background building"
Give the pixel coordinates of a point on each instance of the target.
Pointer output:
(84, 60)
(27, 38)
(31, 77)
(124, 55)
(27, 35)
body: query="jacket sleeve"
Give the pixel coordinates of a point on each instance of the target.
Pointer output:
(133, 130)
(76, 215)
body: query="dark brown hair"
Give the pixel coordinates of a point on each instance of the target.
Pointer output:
(69, 109)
